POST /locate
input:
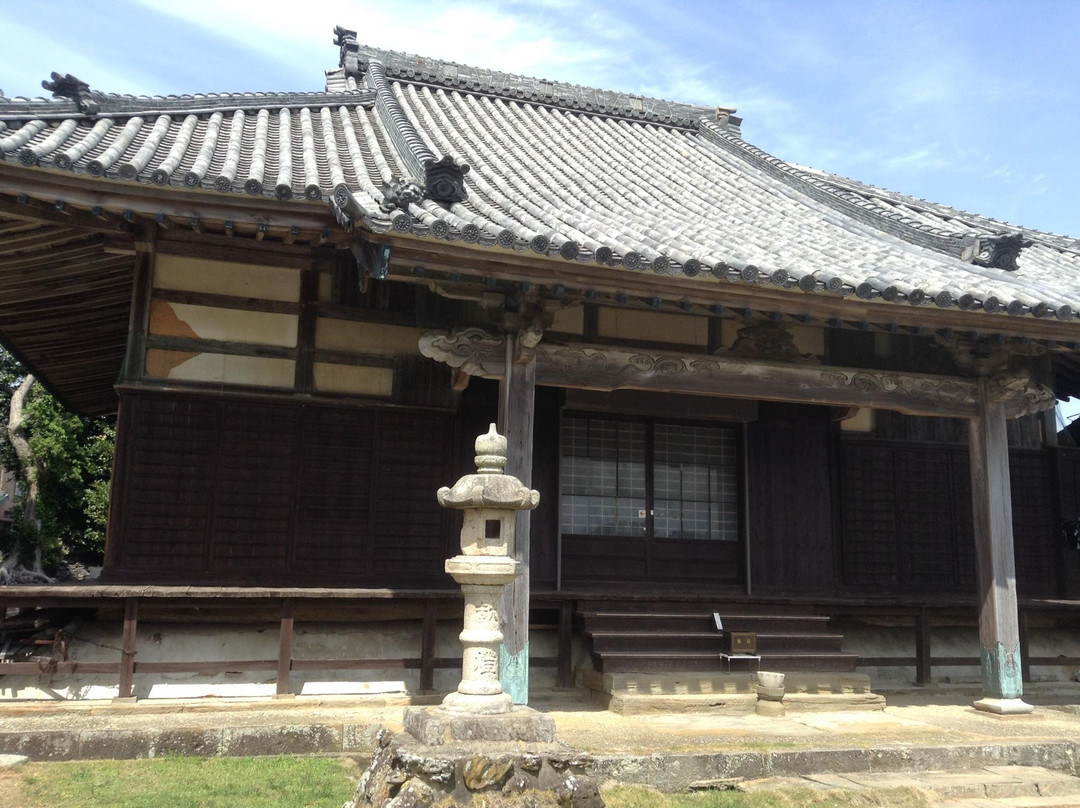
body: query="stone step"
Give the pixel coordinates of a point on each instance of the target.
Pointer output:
(695, 682)
(982, 786)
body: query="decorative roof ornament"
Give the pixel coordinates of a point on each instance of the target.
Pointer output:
(350, 52)
(399, 194)
(69, 86)
(1001, 252)
(444, 179)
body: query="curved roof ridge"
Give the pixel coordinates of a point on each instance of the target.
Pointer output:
(409, 67)
(845, 201)
(931, 208)
(126, 104)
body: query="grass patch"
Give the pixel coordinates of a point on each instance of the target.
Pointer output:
(182, 782)
(639, 797)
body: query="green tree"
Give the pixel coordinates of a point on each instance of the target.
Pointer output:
(64, 462)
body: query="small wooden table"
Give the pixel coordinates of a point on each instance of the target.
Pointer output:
(752, 660)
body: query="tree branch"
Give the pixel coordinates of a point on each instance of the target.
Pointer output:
(20, 442)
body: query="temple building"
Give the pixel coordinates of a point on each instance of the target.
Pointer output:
(742, 387)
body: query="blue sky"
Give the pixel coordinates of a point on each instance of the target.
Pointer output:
(974, 104)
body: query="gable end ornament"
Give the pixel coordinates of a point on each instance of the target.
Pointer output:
(68, 86)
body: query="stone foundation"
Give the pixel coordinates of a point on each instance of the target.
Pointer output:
(405, 773)
(437, 726)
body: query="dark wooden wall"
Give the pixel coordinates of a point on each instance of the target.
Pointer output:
(244, 491)
(906, 519)
(789, 461)
(254, 492)
(1067, 466)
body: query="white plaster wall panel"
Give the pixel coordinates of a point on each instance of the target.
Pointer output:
(366, 338)
(652, 326)
(569, 320)
(326, 288)
(225, 278)
(232, 325)
(729, 331)
(228, 369)
(358, 379)
(861, 421)
(809, 340)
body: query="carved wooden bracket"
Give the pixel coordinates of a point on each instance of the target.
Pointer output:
(983, 356)
(769, 341)
(614, 368)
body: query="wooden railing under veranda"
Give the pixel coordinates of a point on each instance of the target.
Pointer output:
(285, 602)
(551, 611)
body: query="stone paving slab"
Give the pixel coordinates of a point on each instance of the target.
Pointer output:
(1020, 758)
(836, 781)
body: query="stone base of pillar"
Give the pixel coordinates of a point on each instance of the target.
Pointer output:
(1003, 706)
(436, 726)
(477, 704)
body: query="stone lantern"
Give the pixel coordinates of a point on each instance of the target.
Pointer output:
(490, 499)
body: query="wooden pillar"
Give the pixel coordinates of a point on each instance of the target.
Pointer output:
(127, 648)
(516, 416)
(427, 646)
(923, 653)
(999, 632)
(565, 674)
(285, 640)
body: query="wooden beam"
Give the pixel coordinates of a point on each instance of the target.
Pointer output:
(494, 263)
(139, 316)
(991, 499)
(608, 368)
(516, 418)
(191, 345)
(40, 237)
(220, 248)
(33, 210)
(148, 201)
(217, 301)
(304, 376)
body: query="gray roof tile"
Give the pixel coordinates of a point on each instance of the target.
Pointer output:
(557, 170)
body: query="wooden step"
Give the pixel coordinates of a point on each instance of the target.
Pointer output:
(643, 641)
(610, 641)
(648, 622)
(775, 623)
(820, 643)
(701, 621)
(625, 662)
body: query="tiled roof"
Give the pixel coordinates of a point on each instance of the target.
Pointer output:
(559, 171)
